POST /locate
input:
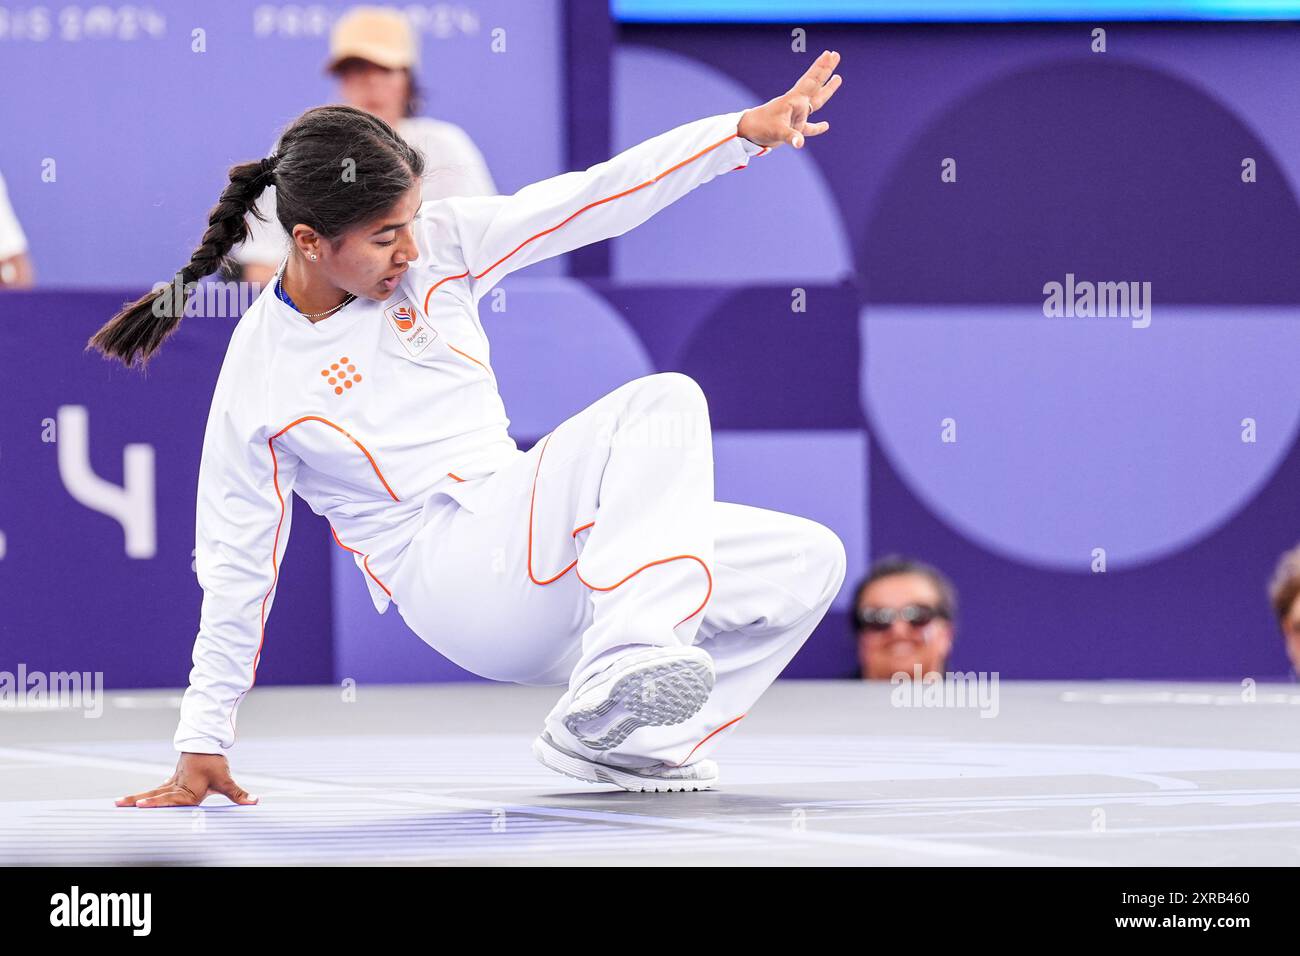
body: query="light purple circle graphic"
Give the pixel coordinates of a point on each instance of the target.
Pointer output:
(1077, 433)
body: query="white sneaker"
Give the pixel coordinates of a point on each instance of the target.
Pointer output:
(656, 778)
(655, 687)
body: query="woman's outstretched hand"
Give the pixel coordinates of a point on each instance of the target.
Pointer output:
(196, 776)
(785, 119)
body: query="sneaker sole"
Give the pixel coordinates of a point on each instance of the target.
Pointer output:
(660, 692)
(588, 771)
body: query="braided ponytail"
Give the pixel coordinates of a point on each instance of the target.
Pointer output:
(309, 189)
(140, 328)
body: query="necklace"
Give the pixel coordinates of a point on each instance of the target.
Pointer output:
(284, 297)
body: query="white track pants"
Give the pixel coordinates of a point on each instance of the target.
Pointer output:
(605, 537)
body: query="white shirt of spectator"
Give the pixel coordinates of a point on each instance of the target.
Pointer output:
(12, 240)
(454, 166)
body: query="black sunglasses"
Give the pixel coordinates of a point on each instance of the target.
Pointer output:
(880, 618)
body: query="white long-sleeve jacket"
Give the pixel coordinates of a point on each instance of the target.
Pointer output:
(371, 412)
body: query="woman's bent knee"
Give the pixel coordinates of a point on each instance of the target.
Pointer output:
(826, 561)
(676, 386)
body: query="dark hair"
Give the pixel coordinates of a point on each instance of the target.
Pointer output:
(1285, 586)
(309, 170)
(892, 565)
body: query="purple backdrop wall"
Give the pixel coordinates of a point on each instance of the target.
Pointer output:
(141, 128)
(1073, 433)
(924, 304)
(70, 597)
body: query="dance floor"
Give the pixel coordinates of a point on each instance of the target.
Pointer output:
(820, 772)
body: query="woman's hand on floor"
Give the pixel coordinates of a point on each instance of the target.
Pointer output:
(197, 776)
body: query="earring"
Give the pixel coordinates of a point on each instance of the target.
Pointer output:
(313, 257)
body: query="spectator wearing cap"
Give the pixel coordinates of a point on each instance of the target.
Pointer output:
(904, 615)
(373, 54)
(15, 266)
(1284, 594)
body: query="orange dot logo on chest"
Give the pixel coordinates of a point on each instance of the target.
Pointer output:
(341, 375)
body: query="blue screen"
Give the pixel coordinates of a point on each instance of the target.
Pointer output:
(734, 11)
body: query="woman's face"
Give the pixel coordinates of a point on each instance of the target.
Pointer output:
(369, 259)
(377, 90)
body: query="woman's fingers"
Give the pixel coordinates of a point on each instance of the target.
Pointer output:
(820, 97)
(234, 791)
(129, 801)
(795, 137)
(175, 797)
(817, 74)
(812, 91)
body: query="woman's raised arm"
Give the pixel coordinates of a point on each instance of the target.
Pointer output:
(497, 235)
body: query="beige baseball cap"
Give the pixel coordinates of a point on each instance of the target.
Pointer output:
(380, 35)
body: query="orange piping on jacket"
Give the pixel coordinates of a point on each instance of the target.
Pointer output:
(275, 577)
(365, 560)
(649, 182)
(341, 431)
(275, 547)
(470, 357)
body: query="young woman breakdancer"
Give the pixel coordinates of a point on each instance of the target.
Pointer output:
(360, 379)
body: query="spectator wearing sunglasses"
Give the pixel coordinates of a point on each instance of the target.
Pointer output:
(1284, 595)
(903, 616)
